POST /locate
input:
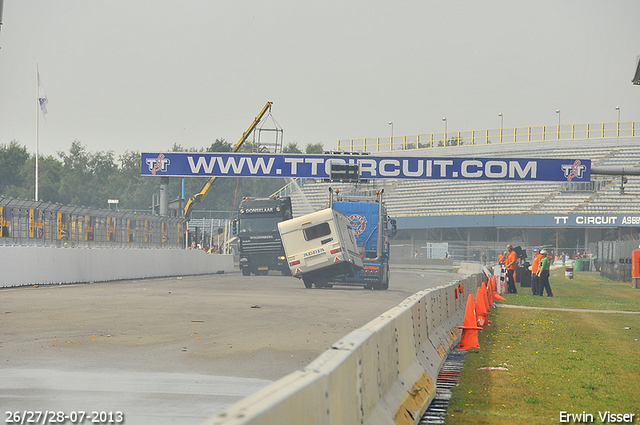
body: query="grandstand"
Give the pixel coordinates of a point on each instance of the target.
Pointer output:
(434, 204)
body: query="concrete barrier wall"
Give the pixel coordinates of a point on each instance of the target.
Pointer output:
(382, 373)
(467, 267)
(37, 265)
(427, 263)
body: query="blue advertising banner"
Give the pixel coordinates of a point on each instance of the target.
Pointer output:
(371, 167)
(603, 220)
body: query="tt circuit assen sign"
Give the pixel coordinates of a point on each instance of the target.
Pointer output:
(371, 167)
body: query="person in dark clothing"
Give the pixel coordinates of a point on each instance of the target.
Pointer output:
(535, 281)
(510, 264)
(543, 274)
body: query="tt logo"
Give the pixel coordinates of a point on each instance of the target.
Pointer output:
(573, 170)
(158, 164)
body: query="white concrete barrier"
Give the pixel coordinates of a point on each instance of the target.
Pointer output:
(467, 267)
(21, 266)
(380, 374)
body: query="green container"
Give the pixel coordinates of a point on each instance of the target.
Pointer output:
(581, 265)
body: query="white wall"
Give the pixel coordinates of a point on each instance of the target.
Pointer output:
(37, 265)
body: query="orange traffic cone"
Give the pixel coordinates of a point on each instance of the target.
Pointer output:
(489, 293)
(496, 296)
(494, 283)
(482, 312)
(488, 300)
(469, 338)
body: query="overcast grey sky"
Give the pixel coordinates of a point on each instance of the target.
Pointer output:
(143, 75)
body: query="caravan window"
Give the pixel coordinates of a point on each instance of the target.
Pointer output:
(317, 231)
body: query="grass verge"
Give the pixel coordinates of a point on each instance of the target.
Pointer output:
(586, 291)
(555, 360)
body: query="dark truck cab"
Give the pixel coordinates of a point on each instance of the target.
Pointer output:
(260, 245)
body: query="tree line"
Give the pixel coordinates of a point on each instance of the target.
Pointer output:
(83, 178)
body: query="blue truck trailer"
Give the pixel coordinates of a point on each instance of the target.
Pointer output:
(367, 214)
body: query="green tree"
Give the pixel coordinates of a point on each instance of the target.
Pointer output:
(12, 158)
(134, 191)
(85, 176)
(220, 145)
(177, 147)
(246, 147)
(74, 189)
(49, 172)
(291, 148)
(314, 148)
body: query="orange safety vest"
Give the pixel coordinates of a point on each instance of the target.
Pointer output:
(512, 259)
(536, 263)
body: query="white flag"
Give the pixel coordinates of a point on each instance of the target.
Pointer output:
(42, 97)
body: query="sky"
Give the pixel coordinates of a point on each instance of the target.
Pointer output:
(142, 75)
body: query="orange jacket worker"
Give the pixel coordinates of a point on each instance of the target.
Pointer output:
(534, 271)
(510, 264)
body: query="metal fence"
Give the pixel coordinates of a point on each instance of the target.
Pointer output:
(36, 223)
(615, 258)
(618, 252)
(601, 130)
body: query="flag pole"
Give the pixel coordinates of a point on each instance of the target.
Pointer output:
(37, 123)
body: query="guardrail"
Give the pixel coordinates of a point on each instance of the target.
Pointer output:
(37, 223)
(490, 136)
(293, 186)
(382, 373)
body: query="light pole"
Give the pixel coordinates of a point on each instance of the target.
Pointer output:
(391, 139)
(558, 112)
(618, 127)
(445, 130)
(501, 123)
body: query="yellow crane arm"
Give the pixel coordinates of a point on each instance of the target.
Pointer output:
(199, 197)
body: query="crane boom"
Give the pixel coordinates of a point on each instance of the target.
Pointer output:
(199, 197)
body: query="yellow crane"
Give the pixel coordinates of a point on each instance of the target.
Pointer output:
(199, 197)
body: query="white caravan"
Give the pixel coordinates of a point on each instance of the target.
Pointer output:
(320, 246)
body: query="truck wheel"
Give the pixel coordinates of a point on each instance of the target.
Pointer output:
(307, 282)
(246, 272)
(385, 281)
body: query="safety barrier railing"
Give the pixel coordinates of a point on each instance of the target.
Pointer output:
(37, 223)
(290, 187)
(491, 136)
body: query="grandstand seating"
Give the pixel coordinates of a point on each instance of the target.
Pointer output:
(455, 197)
